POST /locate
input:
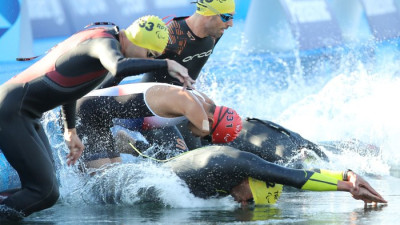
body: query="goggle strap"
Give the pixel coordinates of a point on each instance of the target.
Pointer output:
(166, 17)
(99, 24)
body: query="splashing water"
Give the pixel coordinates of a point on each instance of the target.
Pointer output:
(131, 183)
(343, 93)
(139, 183)
(339, 94)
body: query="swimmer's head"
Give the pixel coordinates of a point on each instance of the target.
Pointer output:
(148, 32)
(264, 193)
(226, 126)
(215, 7)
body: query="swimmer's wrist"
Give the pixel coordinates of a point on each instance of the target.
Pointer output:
(346, 174)
(69, 132)
(344, 186)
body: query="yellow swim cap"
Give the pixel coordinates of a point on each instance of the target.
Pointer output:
(264, 194)
(148, 32)
(215, 7)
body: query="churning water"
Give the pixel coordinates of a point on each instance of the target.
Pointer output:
(339, 93)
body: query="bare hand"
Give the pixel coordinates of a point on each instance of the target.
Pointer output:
(179, 72)
(75, 146)
(366, 196)
(359, 182)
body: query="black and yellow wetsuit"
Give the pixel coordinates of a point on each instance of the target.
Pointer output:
(69, 71)
(215, 170)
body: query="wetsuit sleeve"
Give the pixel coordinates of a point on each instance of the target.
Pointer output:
(320, 182)
(68, 114)
(335, 174)
(108, 51)
(255, 167)
(110, 81)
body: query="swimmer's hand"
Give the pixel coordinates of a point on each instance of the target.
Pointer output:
(75, 146)
(360, 182)
(179, 72)
(366, 196)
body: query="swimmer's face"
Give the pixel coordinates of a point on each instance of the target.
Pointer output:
(242, 193)
(134, 51)
(151, 54)
(216, 27)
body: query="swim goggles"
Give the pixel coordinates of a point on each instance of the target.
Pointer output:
(226, 17)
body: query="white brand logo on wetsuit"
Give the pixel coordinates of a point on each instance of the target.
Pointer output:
(199, 55)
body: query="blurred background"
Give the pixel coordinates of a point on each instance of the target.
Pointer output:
(276, 25)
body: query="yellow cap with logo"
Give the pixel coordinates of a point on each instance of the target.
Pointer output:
(264, 194)
(148, 32)
(215, 7)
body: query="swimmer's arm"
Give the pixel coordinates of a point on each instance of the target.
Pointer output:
(71, 137)
(320, 182)
(301, 179)
(68, 115)
(193, 110)
(110, 81)
(335, 174)
(108, 51)
(356, 180)
(74, 144)
(198, 117)
(207, 99)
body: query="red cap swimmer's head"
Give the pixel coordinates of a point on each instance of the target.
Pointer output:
(227, 125)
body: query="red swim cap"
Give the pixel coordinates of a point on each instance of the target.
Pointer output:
(227, 125)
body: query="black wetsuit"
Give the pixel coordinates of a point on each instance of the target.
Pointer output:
(273, 142)
(184, 47)
(263, 138)
(98, 111)
(66, 73)
(188, 50)
(96, 114)
(215, 170)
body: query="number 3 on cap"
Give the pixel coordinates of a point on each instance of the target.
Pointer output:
(149, 27)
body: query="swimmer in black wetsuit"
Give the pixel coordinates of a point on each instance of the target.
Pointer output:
(221, 170)
(157, 105)
(274, 143)
(191, 41)
(66, 73)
